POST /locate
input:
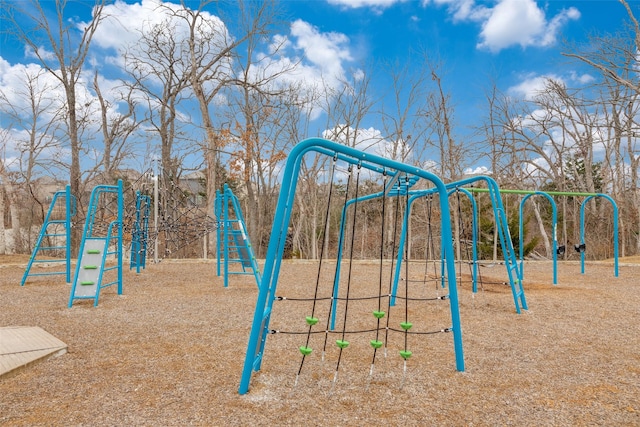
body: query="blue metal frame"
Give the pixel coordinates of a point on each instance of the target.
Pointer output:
(554, 225)
(515, 274)
(513, 271)
(615, 231)
(266, 295)
(70, 212)
(511, 261)
(103, 242)
(232, 234)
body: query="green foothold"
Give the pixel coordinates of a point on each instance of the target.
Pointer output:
(93, 251)
(405, 354)
(342, 344)
(378, 314)
(406, 325)
(90, 267)
(305, 350)
(375, 344)
(311, 320)
(86, 283)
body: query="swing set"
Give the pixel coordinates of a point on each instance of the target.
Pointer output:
(559, 250)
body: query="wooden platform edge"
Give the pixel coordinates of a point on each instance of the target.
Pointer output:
(14, 362)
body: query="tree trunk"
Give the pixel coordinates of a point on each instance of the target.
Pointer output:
(543, 231)
(3, 236)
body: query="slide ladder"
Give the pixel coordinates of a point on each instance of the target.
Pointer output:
(54, 238)
(514, 270)
(234, 245)
(92, 272)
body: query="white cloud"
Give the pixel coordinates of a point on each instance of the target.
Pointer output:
(581, 78)
(532, 86)
(43, 53)
(510, 22)
(125, 23)
(312, 61)
(375, 4)
(523, 23)
(369, 140)
(478, 170)
(326, 51)
(305, 57)
(15, 145)
(463, 10)
(19, 80)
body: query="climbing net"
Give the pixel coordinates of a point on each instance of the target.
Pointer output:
(182, 223)
(362, 308)
(354, 310)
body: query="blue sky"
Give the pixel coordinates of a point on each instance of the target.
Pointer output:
(513, 43)
(514, 58)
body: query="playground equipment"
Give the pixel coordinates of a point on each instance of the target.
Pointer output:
(140, 232)
(515, 276)
(98, 243)
(54, 236)
(398, 179)
(580, 247)
(234, 245)
(554, 225)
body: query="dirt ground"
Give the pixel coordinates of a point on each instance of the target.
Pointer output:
(170, 351)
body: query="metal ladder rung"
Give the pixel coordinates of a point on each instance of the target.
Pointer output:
(43, 248)
(48, 260)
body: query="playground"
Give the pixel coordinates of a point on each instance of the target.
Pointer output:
(170, 351)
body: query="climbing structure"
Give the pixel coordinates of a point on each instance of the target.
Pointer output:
(54, 240)
(352, 166)
(234, 251)
(102, 238)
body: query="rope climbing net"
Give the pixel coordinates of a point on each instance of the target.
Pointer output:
(361, 312)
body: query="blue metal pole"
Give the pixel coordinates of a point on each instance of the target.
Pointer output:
(120, 196)
(336, 278)
(226, 233)
(218, 212)
(615, 231)
(67, 226)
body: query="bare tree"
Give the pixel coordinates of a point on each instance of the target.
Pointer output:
(156, 65)
(116, 130)
(403, 120)
(210, 51)
(346, 105)
(4, 180)
(61, 47)
(30, 147)
(260, 98)
(614, 57)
